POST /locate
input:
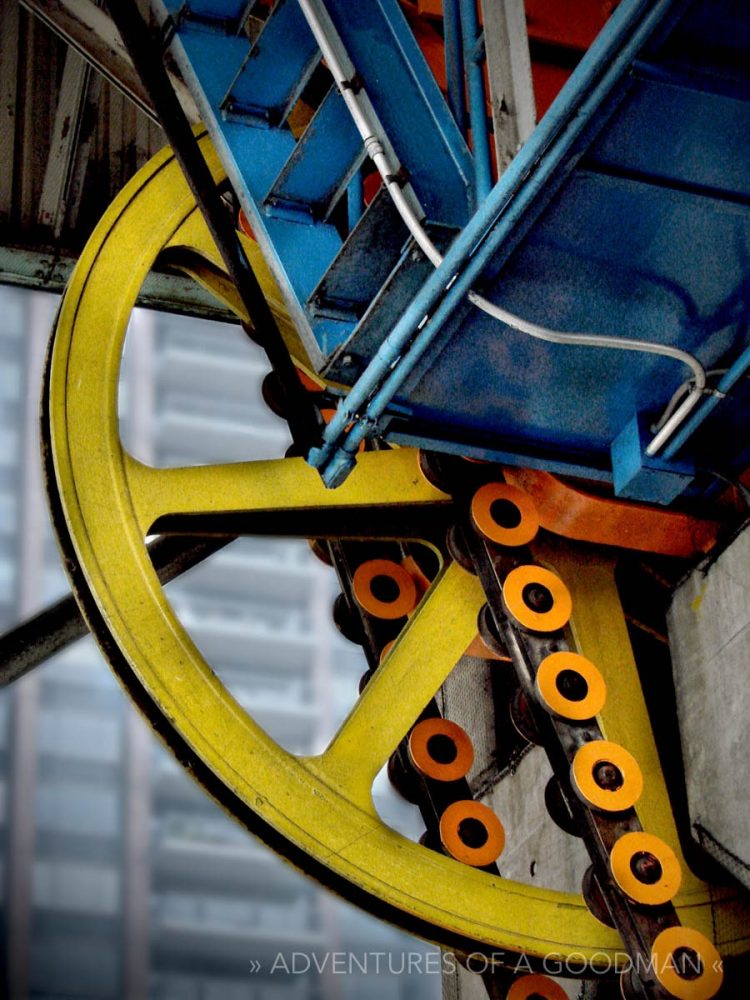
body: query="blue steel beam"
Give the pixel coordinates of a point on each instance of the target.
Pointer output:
(493, 222)
(474, 64)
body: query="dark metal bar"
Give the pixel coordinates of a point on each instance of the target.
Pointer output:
(454, 62)
(89, 31)
(33, 641)
(39, 637)
(146, 55)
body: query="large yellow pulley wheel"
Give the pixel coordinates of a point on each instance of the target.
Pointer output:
(318, 812)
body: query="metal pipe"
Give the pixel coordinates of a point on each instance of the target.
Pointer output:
(474, 66)
(33, 641)
(737, 370)
(678, 417)
(323, 30)
(454, 62)
(594, 340)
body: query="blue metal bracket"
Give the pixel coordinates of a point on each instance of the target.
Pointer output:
(638, 477)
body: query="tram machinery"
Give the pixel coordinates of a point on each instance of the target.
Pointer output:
(500, 392)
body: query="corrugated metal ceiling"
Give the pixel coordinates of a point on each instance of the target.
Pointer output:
(69, 141)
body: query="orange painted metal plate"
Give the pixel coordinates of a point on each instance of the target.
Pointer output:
(574, 514)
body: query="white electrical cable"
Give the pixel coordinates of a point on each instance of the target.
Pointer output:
(364, 126)
(668, 424)
(679, 393)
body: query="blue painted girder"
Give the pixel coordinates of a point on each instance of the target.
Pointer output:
(245, 91)
(641, 230)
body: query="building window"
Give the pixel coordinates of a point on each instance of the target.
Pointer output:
(66, 807)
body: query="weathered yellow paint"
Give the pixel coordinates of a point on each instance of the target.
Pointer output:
(322, 806)
(381, 478)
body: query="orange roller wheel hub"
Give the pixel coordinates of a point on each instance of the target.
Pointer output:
(504, 514)
(384, 589)
(471, 832)
(537, 599)
(570, 686)
(536, 985)
(645, 868)
(687, 964)
(606, 776)
(441, 749)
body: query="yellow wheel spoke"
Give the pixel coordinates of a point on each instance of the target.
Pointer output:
(425, 653)
(382, 479)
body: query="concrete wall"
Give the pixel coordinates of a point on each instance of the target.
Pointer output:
(709, 631)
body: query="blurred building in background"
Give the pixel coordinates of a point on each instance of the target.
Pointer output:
(120, 878)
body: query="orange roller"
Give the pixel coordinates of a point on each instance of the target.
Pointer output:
(386, 650)
(687, 964)
(421, 579)
(536, 985)
(384, 589)
(606, 776)
(571, 686)
(504, 514)
(479, 648)
(472, 833)
(537, 598)
(244, 224)
(645, 868)
(441, 749)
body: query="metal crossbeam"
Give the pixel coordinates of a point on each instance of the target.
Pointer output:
(92, 33)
